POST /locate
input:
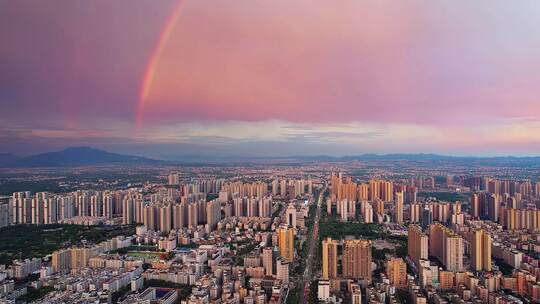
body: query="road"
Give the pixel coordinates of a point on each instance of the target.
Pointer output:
(309, 273)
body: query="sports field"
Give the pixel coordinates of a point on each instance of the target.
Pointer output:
(145, 254)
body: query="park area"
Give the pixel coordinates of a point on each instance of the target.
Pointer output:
(30, 241)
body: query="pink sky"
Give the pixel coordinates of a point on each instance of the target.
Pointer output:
(456, 77)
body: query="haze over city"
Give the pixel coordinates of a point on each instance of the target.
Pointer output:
(170, 79)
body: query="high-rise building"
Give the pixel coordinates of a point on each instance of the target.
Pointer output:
(378, 206)
(83, 204)
(201, 210)
(213, 214)
(20, 204)
(108, 206)
(275, 187)
(239, 207)
(128, 211)
(441, 212)
(286, 242)
(431, 182)
(417, 244)
(414, 214)
(79, 257)
(411, 194)
(446, 246)
(374, 190)
(347, 191)
(61, 260)
(357, 259)
(329, 259)
(66, 207)
(323, 290)
(252, 207)
(173, 179)
(329, 206)
(342, 209)
(511, 202)
(165, 217)
(363, 192)
(4, 213)
(117, 198)
(282, 270)
(446, 280)
(387, 190)
(427, 217)
(335, 182)
(291, 215)
(193, 215)
(179, 215)
(268, 261)
(150, 217)
(396, 270)
(37, 215)
(480, 250)
(356, 294)
(96, 206)
(398, 212)
(493, 205)
(457, 219)
(265, 207)
(475, 206)
(283, 188)
(367, 212)
(456, 208)
(299, 187)
(50, 210)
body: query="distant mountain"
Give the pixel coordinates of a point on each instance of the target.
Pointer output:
(395, 156)
(6, 158)
(86, 156)
(400, 156)
(426, 157)
(79, 156)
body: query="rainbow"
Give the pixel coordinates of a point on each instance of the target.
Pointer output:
(150, 70)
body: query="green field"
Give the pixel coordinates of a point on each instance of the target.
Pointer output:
(29, 241)
(338, 230)
(445, 196)
(146, 255)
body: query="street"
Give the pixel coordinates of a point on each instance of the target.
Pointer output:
(309, 272)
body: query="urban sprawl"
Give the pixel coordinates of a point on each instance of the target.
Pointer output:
(327, 237)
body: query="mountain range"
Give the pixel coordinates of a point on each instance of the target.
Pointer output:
(87, 156)
(73, 157)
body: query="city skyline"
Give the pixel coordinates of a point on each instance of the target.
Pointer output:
(270, 79)
(269, 152)
(297, 234)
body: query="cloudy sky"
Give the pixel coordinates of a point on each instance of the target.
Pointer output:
(172, 78)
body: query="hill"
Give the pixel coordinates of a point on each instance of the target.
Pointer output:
(78, 156)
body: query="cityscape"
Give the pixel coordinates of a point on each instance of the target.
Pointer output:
(269, 152)
(284, 232)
